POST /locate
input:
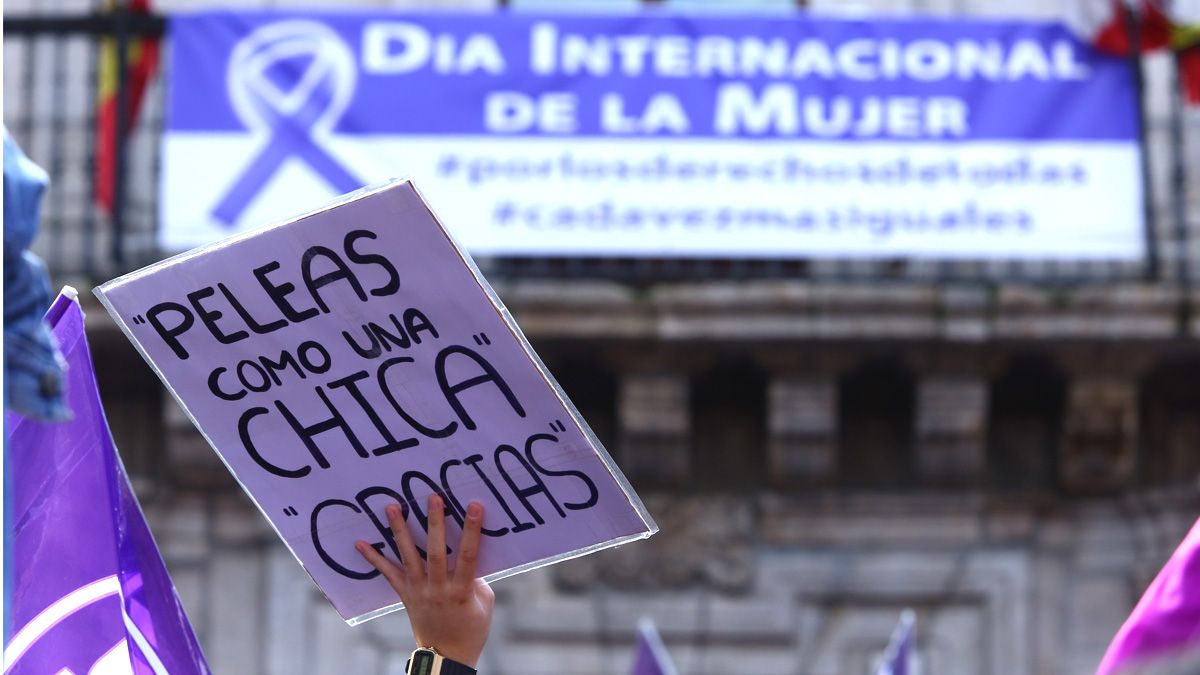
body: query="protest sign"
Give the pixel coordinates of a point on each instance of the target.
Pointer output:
(353, 358)
(664, 135)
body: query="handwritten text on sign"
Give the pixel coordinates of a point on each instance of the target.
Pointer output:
(351, 359)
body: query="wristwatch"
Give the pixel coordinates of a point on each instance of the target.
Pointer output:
(427, 661)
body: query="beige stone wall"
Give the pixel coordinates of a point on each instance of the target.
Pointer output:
(799, 569)
(777, 583)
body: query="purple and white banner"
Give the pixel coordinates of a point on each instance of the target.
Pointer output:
(88, 591)
(663, 135)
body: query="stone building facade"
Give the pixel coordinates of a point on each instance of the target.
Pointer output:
(1015, 464)
(1013, 458)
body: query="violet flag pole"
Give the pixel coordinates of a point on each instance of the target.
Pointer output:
(89, 591)
(1164, 628)
(897, 657)
(651, 657)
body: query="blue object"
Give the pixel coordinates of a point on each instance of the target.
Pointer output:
(33, 366)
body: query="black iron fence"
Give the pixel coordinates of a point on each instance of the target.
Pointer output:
(51, 83)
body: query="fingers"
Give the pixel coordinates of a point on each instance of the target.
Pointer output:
(468, 548)
(413, 568)
(435, 568)
(435, 553)
(393, 574)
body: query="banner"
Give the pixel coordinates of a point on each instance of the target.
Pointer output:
(662, 135)
(89, 592)
(353, 358)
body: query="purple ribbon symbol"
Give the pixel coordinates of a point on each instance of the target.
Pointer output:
(317, 73)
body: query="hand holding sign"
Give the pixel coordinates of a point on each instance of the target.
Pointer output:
(353, 359)
(450, 610)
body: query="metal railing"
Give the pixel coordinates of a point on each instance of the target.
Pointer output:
(51, 87)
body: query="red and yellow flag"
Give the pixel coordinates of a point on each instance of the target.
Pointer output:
(1185, 40)
(142, 60)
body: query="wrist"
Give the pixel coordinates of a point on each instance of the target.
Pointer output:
(430, 661)
(458, 650)
(465, 656)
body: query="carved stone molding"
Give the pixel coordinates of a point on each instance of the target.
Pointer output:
(655, 424)
(1099, 434)
(702, 542)
(802, 426)
(951, 428)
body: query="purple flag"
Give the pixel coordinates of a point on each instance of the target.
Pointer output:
(651, 657)
(899, 650)
(89, 591)
(1165, 625)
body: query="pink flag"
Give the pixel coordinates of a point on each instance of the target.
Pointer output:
(1165, 625)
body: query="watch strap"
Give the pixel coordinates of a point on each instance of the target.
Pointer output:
(452, 667)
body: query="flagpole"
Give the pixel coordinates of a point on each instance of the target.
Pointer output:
(121, 30)
(1133, 31)
(1179, 193)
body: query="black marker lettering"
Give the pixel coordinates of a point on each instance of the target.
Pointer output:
(387, 392)
(371, 352)
(214, 385)
(278, 294)
(328, 559)
(414, 323)
(390, 444)
(309, 346)
(286, 360)
(171, 335)
(315, 284)
(393, 283)
(399, 338)
(210, 316)
(406, 486)
(244, 434)
(384, 528)
(518, 526)
(454, 500)
(250, 320)
(334, 421)
(538, 487)
(451, 392)
(593, 493)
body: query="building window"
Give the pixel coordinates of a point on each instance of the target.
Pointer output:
(876, 405)
(1025, 425)
(1170, 429)
(593, 390)
(729, 427)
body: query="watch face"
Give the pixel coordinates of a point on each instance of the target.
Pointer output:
(422, 663)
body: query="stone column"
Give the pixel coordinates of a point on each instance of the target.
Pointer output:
(951, 428)
(1099, 433)
(802, 429)
(655, 423)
